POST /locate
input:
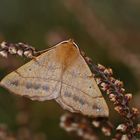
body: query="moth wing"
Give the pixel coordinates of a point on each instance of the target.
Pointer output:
(56, 75)
(37, 79)
(79, 92)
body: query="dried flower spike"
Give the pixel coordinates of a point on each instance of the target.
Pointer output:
(79, 125)
(116, 92)
(20, 49)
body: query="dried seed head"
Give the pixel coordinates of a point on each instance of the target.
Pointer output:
(101, 67)
(98, 81)
(122, 89)
(69, 129)
(135, 111)
(75, 125)
(129, 115)
(3, 45)
(108, 71)
(66, 126)
(108, 92)
(12, 50)
(96, 123)
(128, 96)
(118, 109)
(104, 86)
(138, 128)
(62, 124)
(112, 97)
(112, 79)
(133, 131)
(122, 128)
(124, 137)
(20, 52)
(3, 53)
(63, 118)
(80, 132)
(21, 44)
(118, 83)
(106, 131)
(89, 137)
(116, 103)
(28, 53)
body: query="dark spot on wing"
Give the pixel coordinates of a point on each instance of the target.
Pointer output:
(45, 87)
(67, 94)
(80, 100)
(29, 85)
(36, 86)
(75, 98)
(15, 82)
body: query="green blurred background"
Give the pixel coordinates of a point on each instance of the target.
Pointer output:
(108, 32)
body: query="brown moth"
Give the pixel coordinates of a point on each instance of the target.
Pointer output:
(61, 73)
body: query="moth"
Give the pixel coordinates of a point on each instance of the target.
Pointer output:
(62, 74)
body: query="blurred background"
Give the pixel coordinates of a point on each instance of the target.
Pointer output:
(108, 32)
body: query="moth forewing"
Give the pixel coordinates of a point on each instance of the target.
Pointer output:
(37, 79)
(61, 74)
(79, 92)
